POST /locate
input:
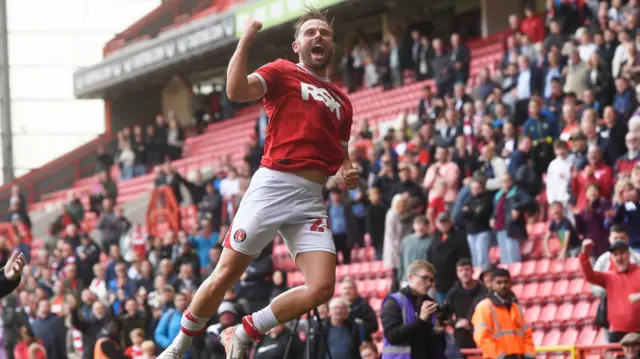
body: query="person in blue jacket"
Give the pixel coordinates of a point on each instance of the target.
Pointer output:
(169, 325)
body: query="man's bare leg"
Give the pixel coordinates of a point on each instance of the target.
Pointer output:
(208, 297)
(319, 271)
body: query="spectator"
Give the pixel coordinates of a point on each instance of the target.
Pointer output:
(625, 163)
(532, 25)
(477, 212)
(50, 328)
(576, 74)
(599, 79)
(274, 345)
(461, 57)
(343, 223)
(280, 286)
(104, 161)
(500, 324)
(418, 332)
(204, 241)
(126, 160)
(485, 85)
(508, 220)
(529, 82)
(559, 174)
(629, 214)
(107, 344)
(463, 297)
(511, 54)
(360, 312)
(443, 68)
(210, 207)
(29, 346)
(414, 246)
(590, 220)
(395, 62)
(75, 207)
(553, 96)
(416, 49)
(561, 228)
(187, 279)
(255, 284)
(447, 248)
(395, 229)
(88, 255)
(169, 324)
(368, 350)
(371, 77)
(624, 100)
(109, 225)
(596, 171)
(375, 221)
(622, 286)
(342, 336)
(554, 38)
(445, 171)
(136, 338)
(631, 345)
(604, 261)
(426, 106)
(613, 131)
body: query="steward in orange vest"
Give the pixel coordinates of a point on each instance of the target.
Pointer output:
(107, 345)
(498, 321)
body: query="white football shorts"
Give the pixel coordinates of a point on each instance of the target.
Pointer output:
(285, 203)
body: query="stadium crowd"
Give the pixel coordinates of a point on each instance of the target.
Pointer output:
(551, 134)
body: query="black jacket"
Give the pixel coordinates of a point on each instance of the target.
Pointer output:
(318, 348)
(90, 329)
(7, 286)
(463, 55)
(419, 334)
(212, 204)
(257, 285)
(477, 213)
(52, 331)
(463, 303)
(361, 310)
(374, 222)
(274, 348)
(444, 255)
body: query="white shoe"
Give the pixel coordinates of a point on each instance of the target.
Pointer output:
(232, 345)
(171, 353)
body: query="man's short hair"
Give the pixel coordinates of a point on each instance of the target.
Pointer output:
(501, 272)
(560, 144)
(619, 228)
(311, 13)
(421, 219)
(416, 265)
(463, 262)
(337, 300)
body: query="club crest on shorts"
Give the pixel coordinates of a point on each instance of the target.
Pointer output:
(239, 235)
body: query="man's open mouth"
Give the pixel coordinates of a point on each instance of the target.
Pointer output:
(317, 50)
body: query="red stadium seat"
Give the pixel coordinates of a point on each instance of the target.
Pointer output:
(542, 268)
(580, 311)
(517, 290)
(532, 313)
(587, 336)
(593, 308)
(515, 269)
(547, 314)
(564, 313)
(528, 269)
(537, 336)
(572, 266)
(545, 290)
(601, 338)
(560, 288)
(529, 292)
(552, 338)
(577, 287)
(569, 337)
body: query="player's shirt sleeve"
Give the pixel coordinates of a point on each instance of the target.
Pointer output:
(270, 76)
(345, 127)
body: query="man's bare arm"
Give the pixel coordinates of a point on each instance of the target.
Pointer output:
(240, 87)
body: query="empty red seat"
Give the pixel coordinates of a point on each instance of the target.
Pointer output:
(548, 314)
(580, 311)
(530, 291)
(593, 308)
(552, 338)
(568, 337)
(587, 336)
(564, 312)
(572, 266)
(601, 338)
(517, 290)
(545, 289)
(537, 336)
(542, 267)
(528, 269)
(532, 313)
(515, 269)
(577, 287)
(560, 288)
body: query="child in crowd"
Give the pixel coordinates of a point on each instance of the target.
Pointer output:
(561, 228)
(135, 350)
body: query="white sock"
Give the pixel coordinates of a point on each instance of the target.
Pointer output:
(190, 325)
(264, 320)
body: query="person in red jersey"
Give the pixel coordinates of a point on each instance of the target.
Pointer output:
(309, 126)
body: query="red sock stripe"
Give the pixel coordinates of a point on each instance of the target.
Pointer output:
(191, 333)
(190, 317)
(250, 328)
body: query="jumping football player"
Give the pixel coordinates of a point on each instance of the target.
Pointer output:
(309, 127)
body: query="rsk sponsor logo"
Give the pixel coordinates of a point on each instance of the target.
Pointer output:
(322, 95)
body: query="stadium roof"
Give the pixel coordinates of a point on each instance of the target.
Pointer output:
(157, 55)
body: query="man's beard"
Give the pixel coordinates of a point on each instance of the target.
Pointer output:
(307, 60)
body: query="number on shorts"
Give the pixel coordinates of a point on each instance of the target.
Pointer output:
(320, 225)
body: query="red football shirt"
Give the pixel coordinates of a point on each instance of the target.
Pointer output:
(309, 119)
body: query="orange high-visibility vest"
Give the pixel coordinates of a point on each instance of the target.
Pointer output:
(97, 350)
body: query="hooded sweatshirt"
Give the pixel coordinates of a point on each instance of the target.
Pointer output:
(618, 286)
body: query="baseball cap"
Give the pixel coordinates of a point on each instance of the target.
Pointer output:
(630, 339)
(619, 245)
(227, 307)
(444, 216)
